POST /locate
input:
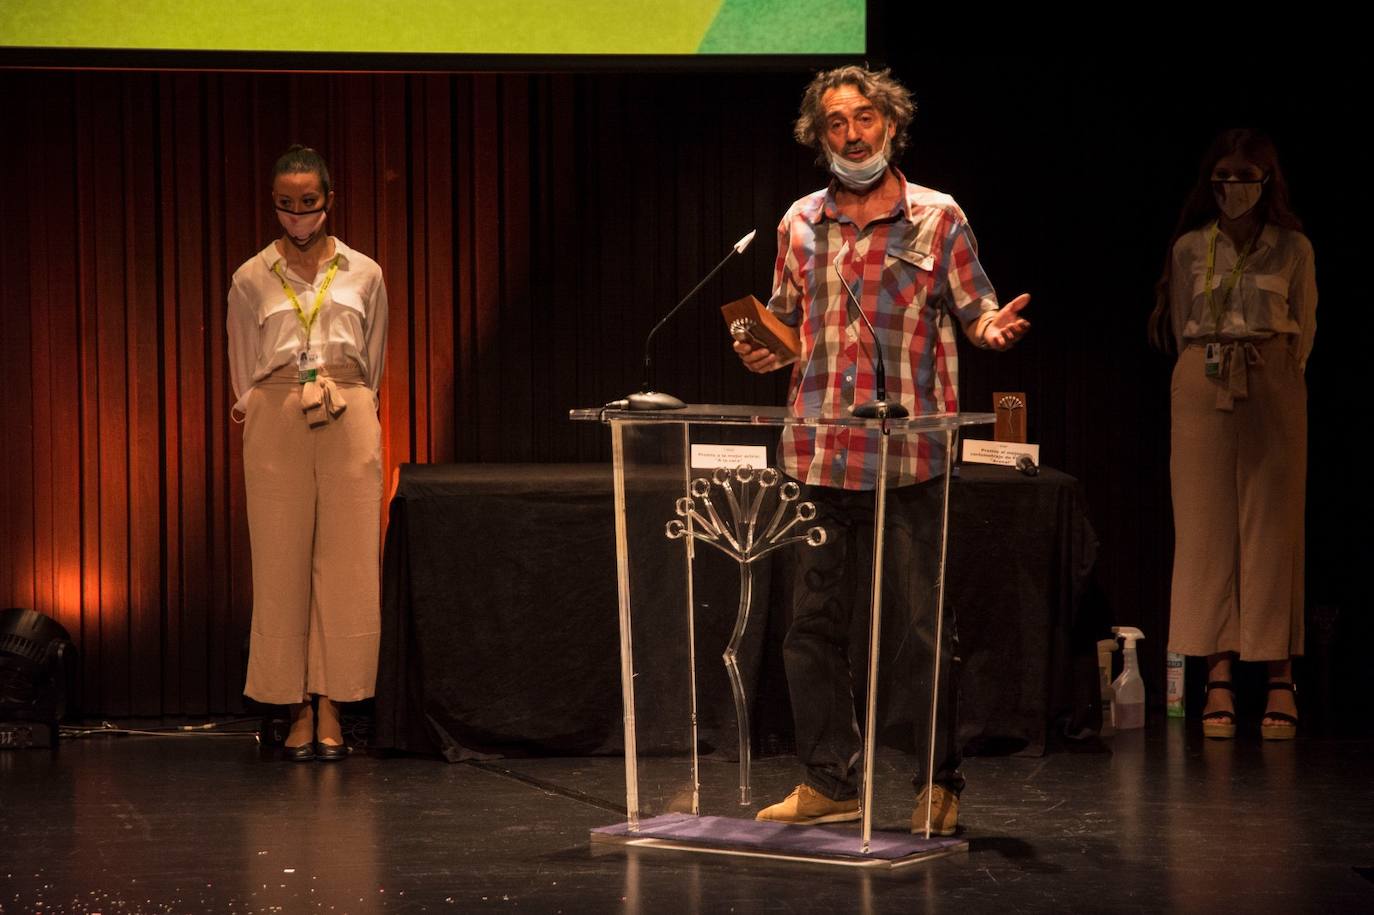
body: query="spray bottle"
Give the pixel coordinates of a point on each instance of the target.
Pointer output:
(1128, 690)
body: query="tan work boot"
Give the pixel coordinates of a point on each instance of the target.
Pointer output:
(944, 812)
(806, 806)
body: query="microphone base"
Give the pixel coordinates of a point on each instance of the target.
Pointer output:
(880, 409)
(653, 400)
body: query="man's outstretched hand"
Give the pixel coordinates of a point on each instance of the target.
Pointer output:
(1007, 326)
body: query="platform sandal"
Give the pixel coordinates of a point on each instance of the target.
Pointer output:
(1221, 725)
(1286, 725)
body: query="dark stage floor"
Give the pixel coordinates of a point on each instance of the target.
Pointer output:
(1164, 822)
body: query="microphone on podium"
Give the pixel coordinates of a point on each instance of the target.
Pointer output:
(647, 398)
(880, 407)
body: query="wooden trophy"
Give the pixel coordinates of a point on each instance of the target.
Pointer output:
(750, 322)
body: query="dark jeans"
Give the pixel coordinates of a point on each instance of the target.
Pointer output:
(831, 581)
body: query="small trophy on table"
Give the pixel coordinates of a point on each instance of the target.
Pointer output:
(1009, 446)
(1011, 416)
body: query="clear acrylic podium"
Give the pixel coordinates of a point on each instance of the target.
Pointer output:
(698, 502)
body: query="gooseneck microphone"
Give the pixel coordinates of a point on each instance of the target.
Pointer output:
(647, 398)
(880, 407)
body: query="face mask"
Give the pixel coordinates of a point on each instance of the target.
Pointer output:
(1236, 198)
(301, 227)
(859, 176)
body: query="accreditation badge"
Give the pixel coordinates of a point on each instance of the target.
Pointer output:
(1211, 360)
(308, 365)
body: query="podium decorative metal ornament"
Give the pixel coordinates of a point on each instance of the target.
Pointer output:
(739, 538)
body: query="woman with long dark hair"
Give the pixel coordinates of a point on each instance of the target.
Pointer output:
(307, 337)
(1238, 298)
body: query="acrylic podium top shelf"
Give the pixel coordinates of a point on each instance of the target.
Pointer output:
(749, 415)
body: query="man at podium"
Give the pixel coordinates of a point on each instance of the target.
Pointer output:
(904, 256)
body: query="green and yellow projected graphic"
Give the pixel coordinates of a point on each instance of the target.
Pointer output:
(506, 27)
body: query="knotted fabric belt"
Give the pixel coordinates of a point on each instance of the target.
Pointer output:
(321, 401)
(1236, 358)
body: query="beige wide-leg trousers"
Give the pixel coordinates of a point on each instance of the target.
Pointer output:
(314, 504)
(1238, 466)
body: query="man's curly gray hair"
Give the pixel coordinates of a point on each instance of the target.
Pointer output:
(892, 99)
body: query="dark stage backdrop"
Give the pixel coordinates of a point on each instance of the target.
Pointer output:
(532, 228)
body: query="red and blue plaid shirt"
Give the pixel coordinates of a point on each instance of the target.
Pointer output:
(909, 271)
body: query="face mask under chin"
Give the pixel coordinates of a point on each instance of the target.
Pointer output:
(859, 176)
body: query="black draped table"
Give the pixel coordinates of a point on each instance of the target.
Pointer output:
(499, 623)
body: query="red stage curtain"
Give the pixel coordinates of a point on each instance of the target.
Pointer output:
(519, 267)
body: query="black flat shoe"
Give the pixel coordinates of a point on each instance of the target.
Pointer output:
(303, 753)
(328, 752)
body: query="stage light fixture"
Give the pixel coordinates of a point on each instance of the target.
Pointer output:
(35, 653)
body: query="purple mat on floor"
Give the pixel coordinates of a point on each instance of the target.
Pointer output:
(828, 841)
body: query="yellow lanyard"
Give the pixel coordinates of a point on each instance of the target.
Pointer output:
(307, 324)
(1212, 307)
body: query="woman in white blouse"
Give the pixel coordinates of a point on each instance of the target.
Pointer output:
(1238, 297)
(307, 338)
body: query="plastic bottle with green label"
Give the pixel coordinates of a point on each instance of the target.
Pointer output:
(1105, 649)
(1173, 685)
